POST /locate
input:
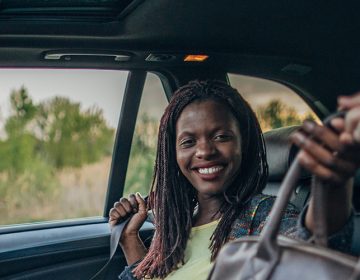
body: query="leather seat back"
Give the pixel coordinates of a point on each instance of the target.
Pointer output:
(280, 153)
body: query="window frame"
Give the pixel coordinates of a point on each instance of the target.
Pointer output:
(122, 144)
(315, 105)
(124, 135)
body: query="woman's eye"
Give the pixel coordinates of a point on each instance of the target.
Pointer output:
(222, 137)
(187, 143)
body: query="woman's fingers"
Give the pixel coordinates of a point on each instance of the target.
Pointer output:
(349, 102)
(323, 135)
(352, 124)
(114, 215)
(318, 156)
(338, 124)
(141, 202)
(122, 209)
(352, 119)
(331, 176)
(126, 205)
(134, 203)
(324, 154)
(138, 218)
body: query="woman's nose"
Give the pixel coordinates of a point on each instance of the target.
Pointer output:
(205, 149)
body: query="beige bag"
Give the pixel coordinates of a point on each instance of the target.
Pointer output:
(271, 257)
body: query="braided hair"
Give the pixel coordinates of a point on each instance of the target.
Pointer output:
(174, 198)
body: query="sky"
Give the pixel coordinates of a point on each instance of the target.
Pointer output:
(259, 92)
(101, 88)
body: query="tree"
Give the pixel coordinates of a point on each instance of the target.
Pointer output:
(142, 156)
(276, 114)
(56, 130)
(17, 152)
(71, 136)
(42, 138)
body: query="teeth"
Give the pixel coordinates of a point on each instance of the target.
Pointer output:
(210, 170)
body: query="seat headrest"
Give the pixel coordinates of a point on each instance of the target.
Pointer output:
(280, 152)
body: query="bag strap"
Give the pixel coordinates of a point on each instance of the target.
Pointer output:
(319, 193)
(301, 194)
(271, 230)
(268, 249)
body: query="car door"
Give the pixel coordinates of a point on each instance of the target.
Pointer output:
(73, 243)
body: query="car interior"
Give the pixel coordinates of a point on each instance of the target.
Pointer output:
(311, 49)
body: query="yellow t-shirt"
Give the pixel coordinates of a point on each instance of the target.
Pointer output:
(197, 254)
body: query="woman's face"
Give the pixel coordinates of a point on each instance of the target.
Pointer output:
(208, 146)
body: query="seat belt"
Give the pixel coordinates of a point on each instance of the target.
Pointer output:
(301, 194)
(116, 232)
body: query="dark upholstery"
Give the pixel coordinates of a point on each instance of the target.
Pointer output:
(280, 153)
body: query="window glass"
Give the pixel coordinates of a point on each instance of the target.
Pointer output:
(274, 104)
(144, 144)
(56, 139)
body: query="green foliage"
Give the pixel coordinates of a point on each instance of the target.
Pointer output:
(33, 186)
(142, 156)
(56, 130)
(276, 114)
(43, 138)
(72, 137)
(18, 151)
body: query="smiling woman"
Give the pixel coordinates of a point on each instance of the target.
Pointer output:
(210, 166)
(208, 150)
(48, 171)
(209, 175)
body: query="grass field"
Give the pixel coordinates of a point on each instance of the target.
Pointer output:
(80, 193)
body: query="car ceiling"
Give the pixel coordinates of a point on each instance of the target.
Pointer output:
(309, 46)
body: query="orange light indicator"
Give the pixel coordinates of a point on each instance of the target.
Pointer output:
(196, 57)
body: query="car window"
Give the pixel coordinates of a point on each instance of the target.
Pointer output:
(274, 104)
(143, 148)
(56, 139)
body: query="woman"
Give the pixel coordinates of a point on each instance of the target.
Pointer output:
(209, 173)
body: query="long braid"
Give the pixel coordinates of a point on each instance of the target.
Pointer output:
(174, 198)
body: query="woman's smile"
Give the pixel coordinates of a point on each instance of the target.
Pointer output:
(210, 173)
(208, 149)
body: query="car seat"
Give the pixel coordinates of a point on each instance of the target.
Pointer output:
(280, 153)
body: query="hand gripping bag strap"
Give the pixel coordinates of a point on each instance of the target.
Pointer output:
(114, 241)
(265, 257)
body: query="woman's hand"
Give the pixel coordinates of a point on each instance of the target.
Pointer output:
(349, 127)
(351, 124)
(130, 241)
(125, 207)
(324, 155)
(332, 162)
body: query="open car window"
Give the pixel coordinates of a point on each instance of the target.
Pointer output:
(57, 136)
(274, 104)
(144, 143)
